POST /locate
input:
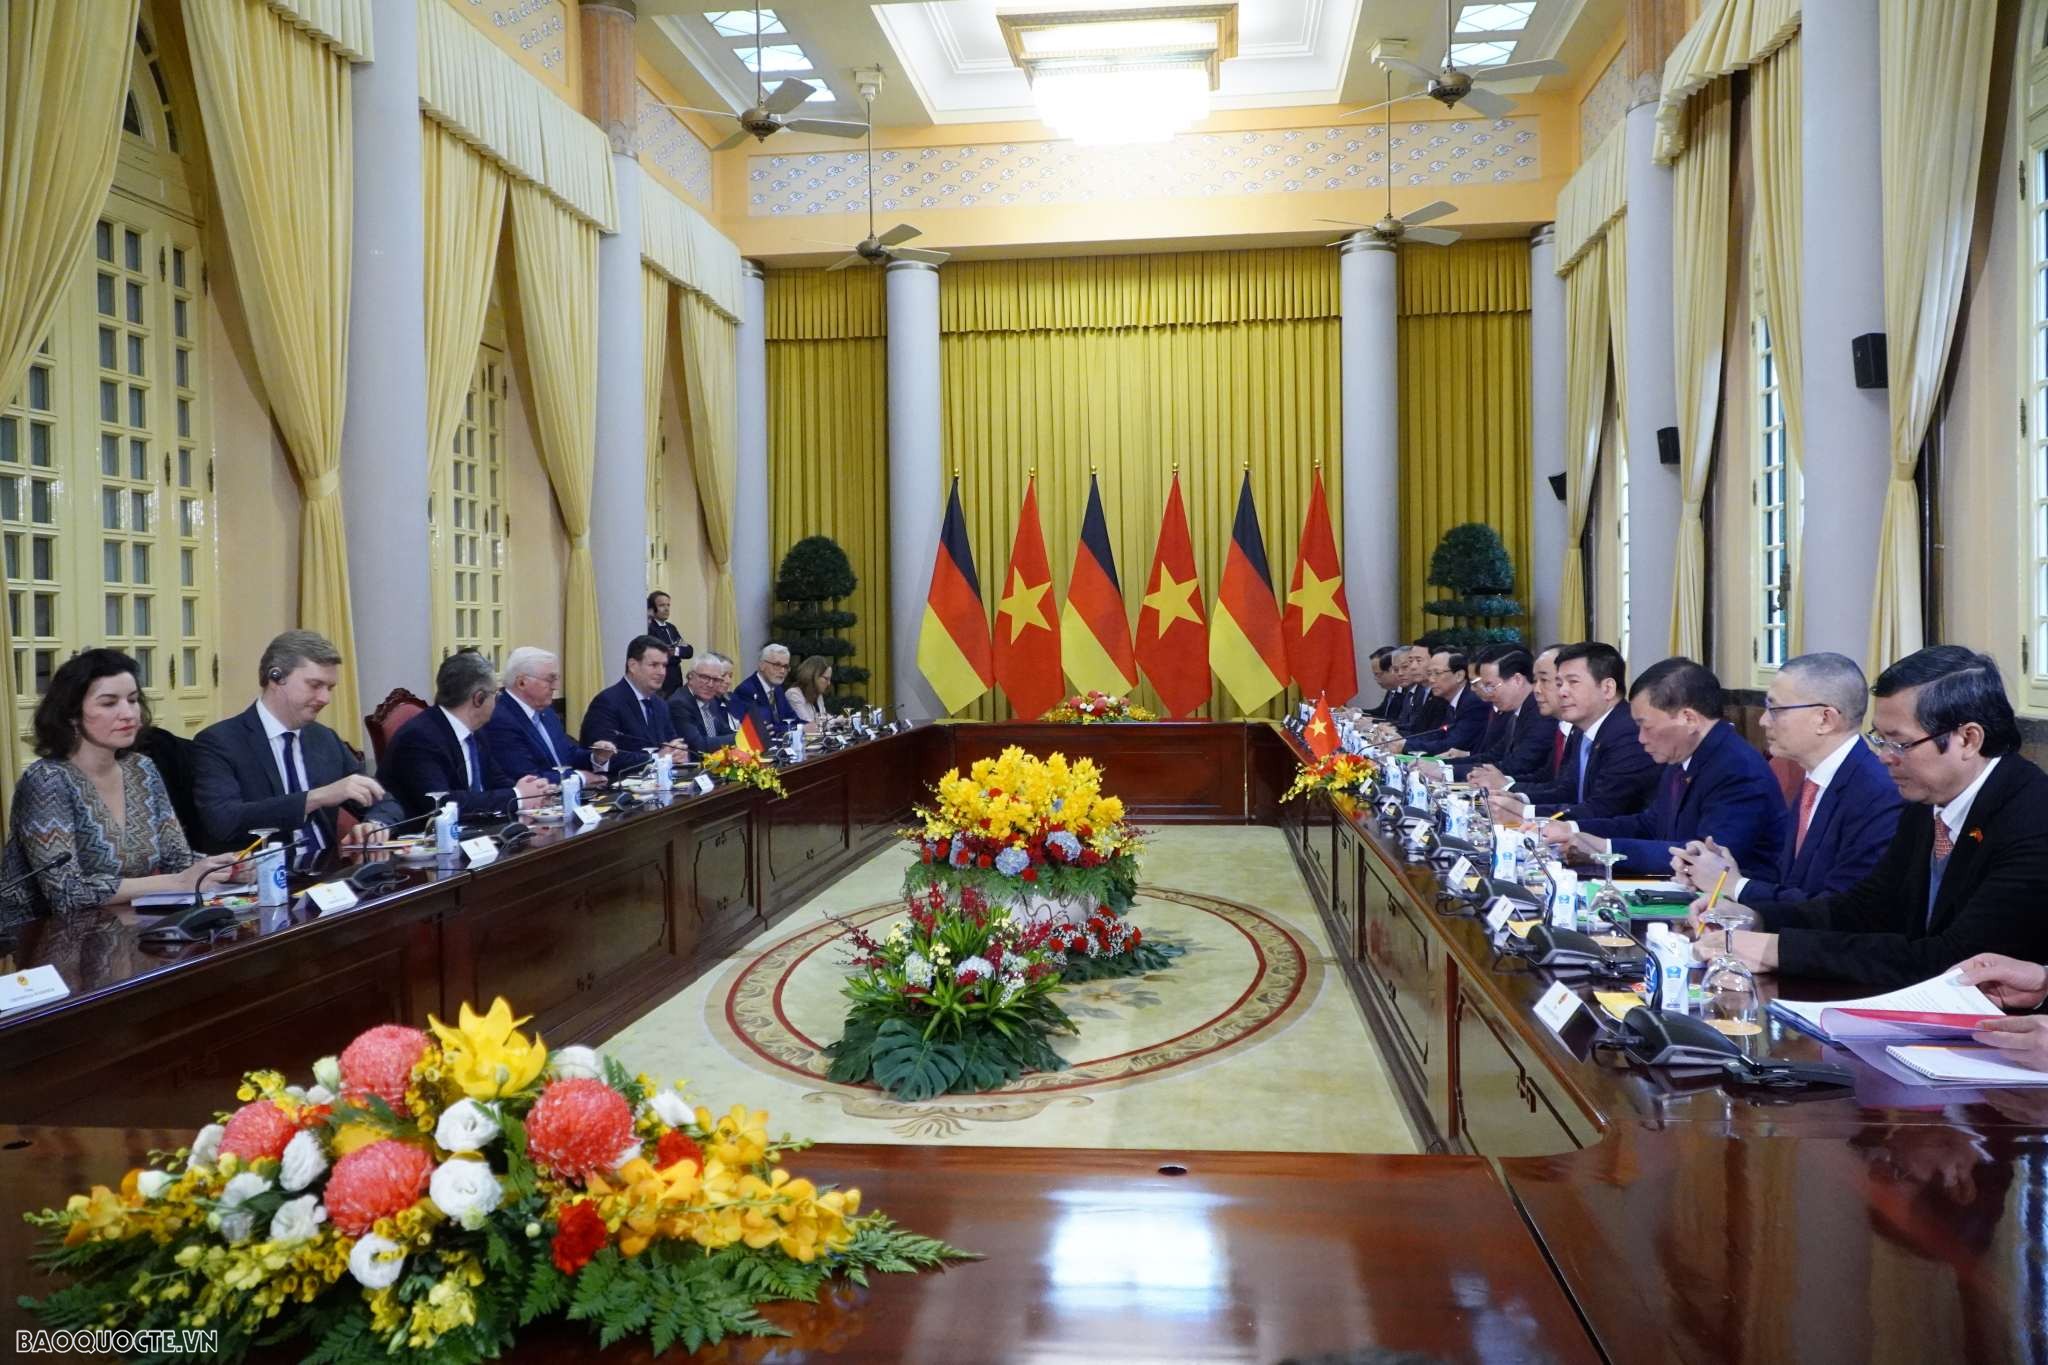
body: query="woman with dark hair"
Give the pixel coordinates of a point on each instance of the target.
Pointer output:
(807, 688)
(91, 797)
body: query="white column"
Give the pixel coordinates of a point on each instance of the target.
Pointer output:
(618, 490)
(1653, 499)
(384, 427)
(1847, 459)
(917, 485)
(1371, 414)
(1546, 435)
(753, 569)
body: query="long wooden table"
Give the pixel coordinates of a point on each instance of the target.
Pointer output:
(1680, 1220)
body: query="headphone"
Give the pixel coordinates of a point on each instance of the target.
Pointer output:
(275, 675)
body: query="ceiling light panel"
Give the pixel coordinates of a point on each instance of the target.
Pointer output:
(777, 57)
(1089, 39)
(1481, 54)
(1507, 16)
(739, 23)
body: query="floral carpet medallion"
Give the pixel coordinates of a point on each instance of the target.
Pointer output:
(1243, 973)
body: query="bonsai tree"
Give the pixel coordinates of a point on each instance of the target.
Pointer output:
(1471, 561)
(814, 576)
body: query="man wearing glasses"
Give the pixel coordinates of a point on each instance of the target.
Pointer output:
(1463, 716)
(1965, 871)
(1848, 805)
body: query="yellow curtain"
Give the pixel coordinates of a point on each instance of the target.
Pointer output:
(554, 257)
(1463, 342)
(654, 369)
(1128, 365)
(1730, 35)
(1699, 311)
(464, 198)
(66, 74)
(828, 438)
(1774, 141)
(709, 345)
(1934, 74)
(1585, 401)
(276, 110)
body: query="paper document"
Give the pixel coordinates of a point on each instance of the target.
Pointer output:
(1981, 1066)
(1837, 1020)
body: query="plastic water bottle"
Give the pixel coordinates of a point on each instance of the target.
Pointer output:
(664, 773)
(1563, 910)
(1671, 955)
(444, 832)
(270, 876)
(796, 743)
(572, 796)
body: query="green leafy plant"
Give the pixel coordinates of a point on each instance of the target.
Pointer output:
(814, 577)
(1471, 561)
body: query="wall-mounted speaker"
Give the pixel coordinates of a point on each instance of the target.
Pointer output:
(1557, 486)
(1871, 362)
(1667, 445)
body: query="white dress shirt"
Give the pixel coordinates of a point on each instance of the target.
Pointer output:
(275, 730)
(1957, 812)
(462, 733)
(1819, 775)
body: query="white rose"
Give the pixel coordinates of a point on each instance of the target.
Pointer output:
(376, 1262)
(302, 1163)
(630, 1152)
(152, 1184)
(466, 1126)
(465, 1190)
(236, 1224)
(297, 1220)
(573, 1063)
(327, 1071)
(672, 1109)
(319, 1094)
(206, 1147)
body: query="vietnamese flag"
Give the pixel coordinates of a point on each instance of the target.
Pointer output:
(1095, 635)
(1027, 632)
(1320, 733)
(1245, 644)
(952, 646)
(1318, 620)
(1170, 626)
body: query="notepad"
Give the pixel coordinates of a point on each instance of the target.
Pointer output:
(1929, 1009)
(1973, 1066)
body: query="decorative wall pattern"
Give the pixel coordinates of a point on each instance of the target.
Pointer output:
(540, 33)
(1192, 166)
(668, 145)
(1605, 104)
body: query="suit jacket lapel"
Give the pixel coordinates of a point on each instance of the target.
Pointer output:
(266, 756)
(1968, 847)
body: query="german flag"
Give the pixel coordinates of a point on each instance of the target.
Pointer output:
(748, 736)
(1095, 635)
(1027, 621)
(953, 646)
(1246, 648)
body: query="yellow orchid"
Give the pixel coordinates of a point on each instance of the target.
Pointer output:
(99, 1217)
(485, 1057)
(736, 1139)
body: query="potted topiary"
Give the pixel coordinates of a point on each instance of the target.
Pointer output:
(1471, 561)
(814, 576)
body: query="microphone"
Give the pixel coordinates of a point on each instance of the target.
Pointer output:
(513, 834)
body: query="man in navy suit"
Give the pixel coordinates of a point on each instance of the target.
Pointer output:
(1386, 675)
(1519, 740)
(631, 712)
(1963, 873)
(1462, 721)
(1423, 709)
(699, 711)
(1605, 770)
(1540, 749)
(441, 749)
(1713, 781)
(1848, 804)
(764, 693)
(525, 735)
(276, 767)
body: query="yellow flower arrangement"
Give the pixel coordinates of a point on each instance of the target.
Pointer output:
(1097, 708)
(743, 767)
(1336, 772)
(484, 1055)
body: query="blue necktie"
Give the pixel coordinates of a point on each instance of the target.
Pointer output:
(647, 717)
(295, 782)
(476, 763)
(1585, 759)
(547, 740)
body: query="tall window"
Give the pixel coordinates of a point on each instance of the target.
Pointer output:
(106, 478)
(1776, 502)
(2032, 91)
(657, 517)
(476, 512)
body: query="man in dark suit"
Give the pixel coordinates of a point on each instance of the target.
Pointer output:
(1518, 739)
(1384, 674)
(1423, 709)
(1964, 872)
(700, 713)
(631, 713)
(441, 749)
(525, 736)
(765, 691)
(275, 766)
(664, 630)
(1712, 781)
(1604, 770)
(1464, 715)
(1848, 806)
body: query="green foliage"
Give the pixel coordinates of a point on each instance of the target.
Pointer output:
(814, 575)
(815, 570)
(1149, 956)
(1113, 883)
(1471, 561)
(897, 1056)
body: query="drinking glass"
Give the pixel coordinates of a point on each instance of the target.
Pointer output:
(1730, 989)
(1609, 906)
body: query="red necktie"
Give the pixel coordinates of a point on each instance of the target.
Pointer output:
(1557, 753)
(1943, 844)
(1808, 794)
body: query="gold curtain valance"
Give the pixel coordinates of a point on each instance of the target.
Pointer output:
(680, 243)
(1593, 198)
(1190, 288)
(817, 305)
(343, 25)
(1471, 277)
(1731, 36)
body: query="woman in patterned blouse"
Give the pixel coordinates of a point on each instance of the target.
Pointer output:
(91, 797)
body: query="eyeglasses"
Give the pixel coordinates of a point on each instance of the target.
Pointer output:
(1771, 708)
(1892, 748)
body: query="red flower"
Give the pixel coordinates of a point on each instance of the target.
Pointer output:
(258, 1132)
(677, 1146)
(380, 1062)
(1089, 857)
(577, 1127)
(578, 1236)
(377, 1181)
(968, 978)
(926, 854)
(1030, 874)
(984, 861)
(1137, 935)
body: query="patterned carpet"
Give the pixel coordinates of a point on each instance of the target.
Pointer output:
(1249, 1041)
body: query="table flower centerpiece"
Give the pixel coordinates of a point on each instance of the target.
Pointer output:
(1338, 773)
(1097, 708)
(743, 767)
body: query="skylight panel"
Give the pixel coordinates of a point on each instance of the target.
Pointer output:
(739, 23)
(778, 57)
(1507, 16)
(1481, 54)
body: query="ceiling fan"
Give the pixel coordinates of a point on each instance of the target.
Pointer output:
(888, 246)
(1453, 85)
(767, 115)
(1408, 227)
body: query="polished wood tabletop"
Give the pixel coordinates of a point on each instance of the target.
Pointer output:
(1123, 1256)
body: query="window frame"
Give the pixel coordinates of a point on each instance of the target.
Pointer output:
(2030, 432)
(1766, 428)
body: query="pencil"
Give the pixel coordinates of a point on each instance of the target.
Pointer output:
(1719, 882)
